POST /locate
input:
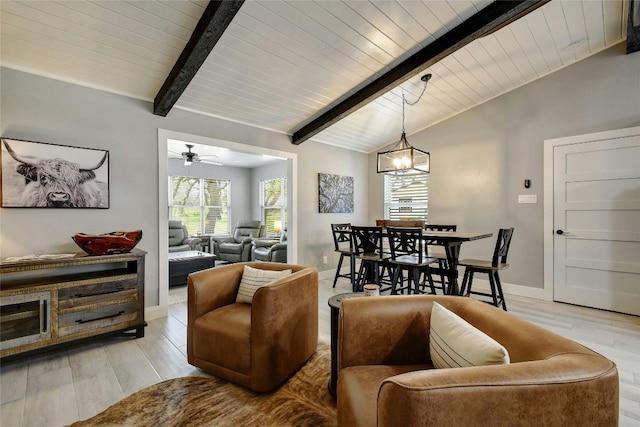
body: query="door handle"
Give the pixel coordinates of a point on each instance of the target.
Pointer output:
(559, 232)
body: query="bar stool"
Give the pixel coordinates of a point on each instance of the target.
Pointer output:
(497, 263)
(407, 254)
(343, 244)
(367, 243)
(439, 254)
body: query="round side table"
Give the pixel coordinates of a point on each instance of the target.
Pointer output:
(335, 302)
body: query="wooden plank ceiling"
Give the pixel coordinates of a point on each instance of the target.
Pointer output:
(279, 64)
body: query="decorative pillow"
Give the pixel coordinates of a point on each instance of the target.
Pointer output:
(254, 278)
(455, 343)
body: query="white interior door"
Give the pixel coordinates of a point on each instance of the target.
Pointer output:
(596, 216)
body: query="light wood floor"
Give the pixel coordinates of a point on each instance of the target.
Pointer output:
(59, 388)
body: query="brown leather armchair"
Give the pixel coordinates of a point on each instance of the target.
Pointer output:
(386, 378)
(257, 345)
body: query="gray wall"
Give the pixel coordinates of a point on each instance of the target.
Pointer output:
(45, 110)
(480, 158)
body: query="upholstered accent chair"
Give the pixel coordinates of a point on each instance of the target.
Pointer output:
(258, 344)
(179, 239)
(271, 250)
(386, 374)
(236, 247)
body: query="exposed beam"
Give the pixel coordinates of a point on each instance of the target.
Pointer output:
(633, 27)
(493, 17)
(214, 21)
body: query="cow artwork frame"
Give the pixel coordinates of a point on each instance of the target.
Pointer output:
(44, 175)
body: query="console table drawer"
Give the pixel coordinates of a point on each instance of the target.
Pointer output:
(120, 289)
(97, 318)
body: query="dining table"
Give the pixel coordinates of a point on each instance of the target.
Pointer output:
(452, 242)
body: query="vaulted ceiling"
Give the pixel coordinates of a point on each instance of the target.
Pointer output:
(281, 64)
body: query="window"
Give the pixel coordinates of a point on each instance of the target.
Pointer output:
(273, 203)
(202, 204)
(406, 197)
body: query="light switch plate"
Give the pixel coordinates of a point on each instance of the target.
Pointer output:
(527, 198)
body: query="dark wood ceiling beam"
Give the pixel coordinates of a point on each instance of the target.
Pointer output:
(214, 21)
(493, 17)
(633, 27)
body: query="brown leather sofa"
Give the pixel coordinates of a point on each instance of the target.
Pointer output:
(257, 345)
(385, 375)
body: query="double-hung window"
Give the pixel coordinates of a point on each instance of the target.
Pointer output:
(273, 204)
(406, 197)
(201, 203)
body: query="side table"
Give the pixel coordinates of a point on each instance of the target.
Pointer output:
(334, 303)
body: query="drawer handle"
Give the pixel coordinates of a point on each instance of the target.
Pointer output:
(116, 290)
(109, 316)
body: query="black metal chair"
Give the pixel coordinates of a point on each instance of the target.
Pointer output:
(497, 263)
(407, 253)
(367, 243)
(437, 252)
(343, 244)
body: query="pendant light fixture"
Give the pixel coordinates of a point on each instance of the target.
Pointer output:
(403, 159)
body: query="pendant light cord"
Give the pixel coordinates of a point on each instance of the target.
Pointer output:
(425, 79)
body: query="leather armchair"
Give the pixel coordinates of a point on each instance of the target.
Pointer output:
(386, 378)
(271, 250)
(179, 239)
(257, 345)
(237, 247)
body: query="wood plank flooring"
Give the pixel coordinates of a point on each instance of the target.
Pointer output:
(64, 386)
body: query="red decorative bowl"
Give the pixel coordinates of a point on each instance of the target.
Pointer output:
(117, 242)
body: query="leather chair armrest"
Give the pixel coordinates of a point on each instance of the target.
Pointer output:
(388, 330)
(575, 387)
(194, 242)
(264, 243)
(223, 238)
(284, 320)
(210, 289)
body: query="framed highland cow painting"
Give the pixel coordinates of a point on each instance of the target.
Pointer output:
(42, 175)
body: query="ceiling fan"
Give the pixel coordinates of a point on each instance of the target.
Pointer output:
(191, 157)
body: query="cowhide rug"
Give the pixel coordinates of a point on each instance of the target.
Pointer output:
(199, 401)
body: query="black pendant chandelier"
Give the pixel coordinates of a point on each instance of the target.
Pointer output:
(403, 159)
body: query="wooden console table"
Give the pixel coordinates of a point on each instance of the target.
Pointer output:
(52, 302)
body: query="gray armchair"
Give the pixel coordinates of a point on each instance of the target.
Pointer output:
(237, 247)
(271, 250)
(179, 239)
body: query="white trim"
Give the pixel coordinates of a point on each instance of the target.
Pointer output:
(548, 228)
(163, 204)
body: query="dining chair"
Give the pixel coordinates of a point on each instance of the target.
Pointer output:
(497, 263)
(343, 244)
(367, 243)
(437, 252)
(407, 253)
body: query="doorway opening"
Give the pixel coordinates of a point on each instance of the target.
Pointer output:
(165, 139)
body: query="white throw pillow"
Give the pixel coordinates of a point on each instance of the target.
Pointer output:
(254, 278)
(455, 343)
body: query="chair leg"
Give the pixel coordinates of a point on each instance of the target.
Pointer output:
(335, 279)
(466, 286)
(494, 293)
(361, 277)
(353, 276)
(394, 281)
(427, 275)
(500, 293)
